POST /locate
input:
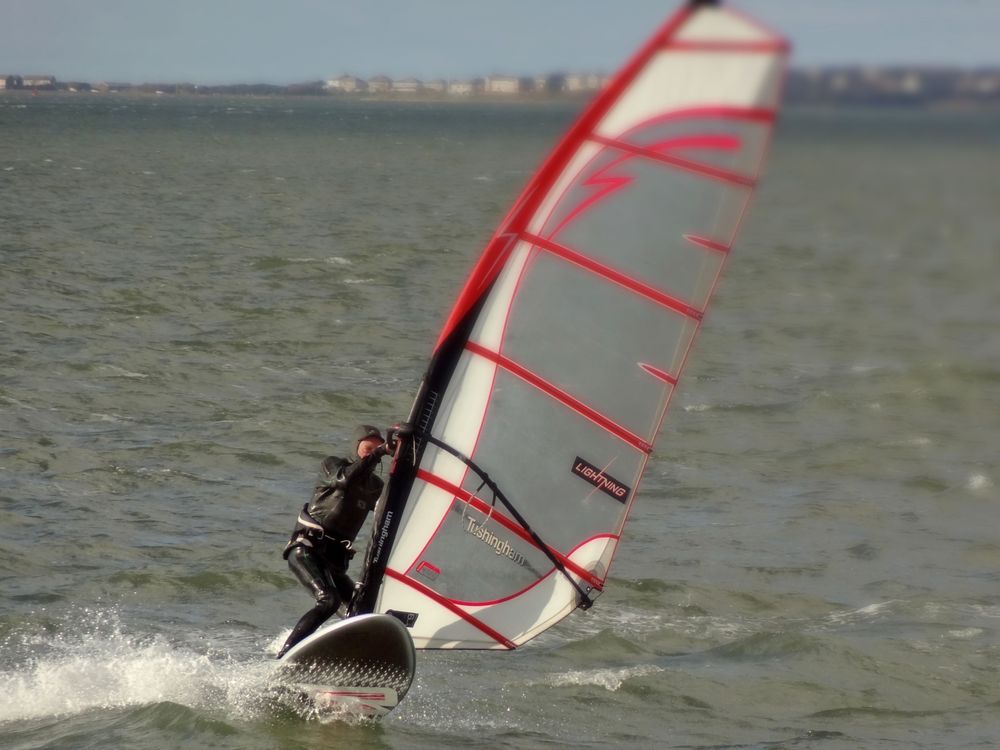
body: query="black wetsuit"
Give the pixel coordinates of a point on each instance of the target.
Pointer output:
(321, 545)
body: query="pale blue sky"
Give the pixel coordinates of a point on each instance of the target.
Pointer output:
(284, 41)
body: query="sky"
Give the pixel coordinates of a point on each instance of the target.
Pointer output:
(290, 41)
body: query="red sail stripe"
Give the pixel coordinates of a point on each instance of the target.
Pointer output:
(561, 396)
(450, 606)
(656, 372)
(707, 243)
(718, 112)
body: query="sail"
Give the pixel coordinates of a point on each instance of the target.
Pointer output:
(554, 370)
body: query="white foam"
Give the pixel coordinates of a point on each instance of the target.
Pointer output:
(115, 371)
(67, 675)
(609, 679)
(862, 368)
(697, 407)
(867, 613)
(113, 418)
(979, 482)
(966, 634)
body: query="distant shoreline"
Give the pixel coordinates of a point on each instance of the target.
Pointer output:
(900, 86)
(579, 99)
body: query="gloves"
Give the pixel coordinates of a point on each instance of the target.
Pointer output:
(394, 433)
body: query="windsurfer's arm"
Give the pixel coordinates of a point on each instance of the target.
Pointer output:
(329, 471)
(360, 468)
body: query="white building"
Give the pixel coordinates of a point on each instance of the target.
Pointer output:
(380, 84)
(346, 83)
(407, 86)
(503, 85)
(579, 82)
(461, 88)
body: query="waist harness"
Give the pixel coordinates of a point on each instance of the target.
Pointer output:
(309, 532)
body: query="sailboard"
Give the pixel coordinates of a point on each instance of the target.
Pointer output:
(551, 378)
(361, 666)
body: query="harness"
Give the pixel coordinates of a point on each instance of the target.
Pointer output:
(308, 532)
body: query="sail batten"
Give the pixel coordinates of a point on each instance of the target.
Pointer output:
(707, 243)
(615, 276)
(554, 371)
(653, 154)
(564, 398)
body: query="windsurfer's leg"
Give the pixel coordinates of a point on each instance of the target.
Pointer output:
(344, 585)
(311, 574)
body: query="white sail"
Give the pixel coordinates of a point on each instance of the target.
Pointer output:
(555, 369)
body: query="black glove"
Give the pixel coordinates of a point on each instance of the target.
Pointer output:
(393, 434)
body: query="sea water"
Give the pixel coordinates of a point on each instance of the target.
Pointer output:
(199, 297)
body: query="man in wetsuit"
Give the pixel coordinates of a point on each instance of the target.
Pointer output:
(321, 545)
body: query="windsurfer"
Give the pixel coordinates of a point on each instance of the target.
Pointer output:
(322, 542)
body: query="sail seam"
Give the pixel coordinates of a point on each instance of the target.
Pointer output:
(561, 396)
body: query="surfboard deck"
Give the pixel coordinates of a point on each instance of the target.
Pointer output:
(363, 665)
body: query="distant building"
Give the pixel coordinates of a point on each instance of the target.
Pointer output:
(27, 82)
(39, 82)
(576, 83)
(502, 85)
(407, 86)
(462, 88)
(346, 83)
(980, 83)
(106, 87)
(437, 86)
(550, 84)
(380, 85)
